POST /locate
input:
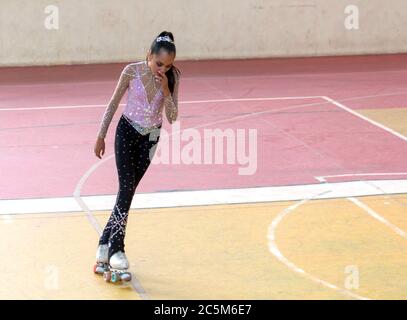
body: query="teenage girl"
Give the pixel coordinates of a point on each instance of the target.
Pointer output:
(153, 88)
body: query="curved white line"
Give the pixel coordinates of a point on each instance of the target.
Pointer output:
(77, 195)
(273, 248)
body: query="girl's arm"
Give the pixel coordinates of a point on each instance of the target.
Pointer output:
(171, 102)
(118, 93)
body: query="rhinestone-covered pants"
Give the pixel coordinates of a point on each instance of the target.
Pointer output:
(134, 153)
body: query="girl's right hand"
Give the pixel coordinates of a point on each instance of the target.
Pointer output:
(99, 147)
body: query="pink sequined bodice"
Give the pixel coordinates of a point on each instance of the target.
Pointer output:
(139, 109)
(145, 101)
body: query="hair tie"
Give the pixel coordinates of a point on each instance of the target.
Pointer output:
(164, 38)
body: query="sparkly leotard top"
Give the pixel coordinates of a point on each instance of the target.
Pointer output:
(145, 101)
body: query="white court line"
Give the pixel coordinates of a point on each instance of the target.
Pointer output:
(322, 178)
(56, 107)
(180, 102)
(378, 217)
(174, 199)
(273, 248)
(340, 105)
(215, 100)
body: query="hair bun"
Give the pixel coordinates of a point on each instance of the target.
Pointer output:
(168, 34)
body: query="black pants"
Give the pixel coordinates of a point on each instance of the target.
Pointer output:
(134, 153)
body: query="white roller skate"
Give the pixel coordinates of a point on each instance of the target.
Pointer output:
(118, 266)
(102, 263)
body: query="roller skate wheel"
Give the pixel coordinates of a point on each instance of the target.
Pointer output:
(126, 276)
(107, 276)
(114, 277)
(99, 268)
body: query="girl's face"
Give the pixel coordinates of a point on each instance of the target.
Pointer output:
(160, 62)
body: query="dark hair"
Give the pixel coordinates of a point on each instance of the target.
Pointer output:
(170, 48)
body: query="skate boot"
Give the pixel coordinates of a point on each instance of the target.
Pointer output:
(118, 265)
(102, 263)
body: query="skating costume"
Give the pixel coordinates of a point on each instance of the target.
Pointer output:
(137, 135)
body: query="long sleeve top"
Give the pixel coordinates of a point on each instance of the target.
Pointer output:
(145, 101)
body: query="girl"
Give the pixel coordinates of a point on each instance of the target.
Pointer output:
(153, 86)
